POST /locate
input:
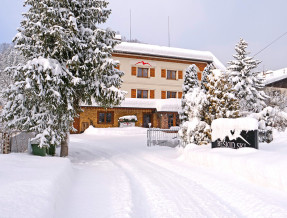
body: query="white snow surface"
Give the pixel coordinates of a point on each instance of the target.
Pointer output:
(265, 167)
(32, 186)
(116, 175)
(138, 48)
(222, 127)
(161, 105)
(274, 76)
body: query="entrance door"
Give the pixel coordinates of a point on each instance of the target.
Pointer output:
(147, 118)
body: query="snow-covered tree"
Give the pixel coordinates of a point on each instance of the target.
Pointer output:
(206, 72)
(195, 130)
(189, 84)
(8, 57)
(221, 102)
(69, 61)
(247, 83)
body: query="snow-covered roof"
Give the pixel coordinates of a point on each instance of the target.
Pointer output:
(168, 52)
(274, 76)
(161, 105)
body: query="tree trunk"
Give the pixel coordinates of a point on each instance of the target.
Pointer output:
(64, 146)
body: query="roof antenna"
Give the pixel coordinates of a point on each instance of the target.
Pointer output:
(130, 25)
(168, 31)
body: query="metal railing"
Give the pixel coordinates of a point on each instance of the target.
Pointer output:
(163, 137)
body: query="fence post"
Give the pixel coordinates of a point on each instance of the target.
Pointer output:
(6, 143)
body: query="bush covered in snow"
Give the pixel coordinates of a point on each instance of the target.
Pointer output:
(268, 119)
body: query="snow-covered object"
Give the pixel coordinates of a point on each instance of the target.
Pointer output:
(247, 83)
(163, 51)
(128, 118)
(231, 128)
(274, 76)
(161, 105)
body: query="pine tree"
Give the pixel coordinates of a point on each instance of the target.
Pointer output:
(189, 84)
(69, 61)
(206, 72)
(195, 130)
(220, 98)
(247, 83)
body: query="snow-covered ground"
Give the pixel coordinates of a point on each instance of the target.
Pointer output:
(116, 175)
(32, 186)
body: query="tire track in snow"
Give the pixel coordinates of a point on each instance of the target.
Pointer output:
(95, 178)
(169, 195)
(250, 201)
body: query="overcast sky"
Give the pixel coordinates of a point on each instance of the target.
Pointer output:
(214, 25)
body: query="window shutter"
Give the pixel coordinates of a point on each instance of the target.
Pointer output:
(163, 94)
(199, 76)
(118, 66)
(134, 71)
(152, 72)
(134, 93)
(152, 94)
(163, 73)
(179, 94)
(180, 76)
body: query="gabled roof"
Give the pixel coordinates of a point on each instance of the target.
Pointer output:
(274, 76)
(161, 105)
(168, 52)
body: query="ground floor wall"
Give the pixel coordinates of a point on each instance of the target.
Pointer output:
(105, 118)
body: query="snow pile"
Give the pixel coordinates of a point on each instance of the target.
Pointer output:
(115, 131)
(274, 76)
(128, 118)
(222, 127)
(266, 166)
(32, 186)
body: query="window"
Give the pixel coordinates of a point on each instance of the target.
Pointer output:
(173, 119)
(142, 93)
(142, 72)
(105, 117)
(171, 74)
(171, 94)
(170, 120)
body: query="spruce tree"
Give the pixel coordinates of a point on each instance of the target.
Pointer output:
(206, 72)
(221, 101)
(247, 83)
(189, 84)
(68, 62)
